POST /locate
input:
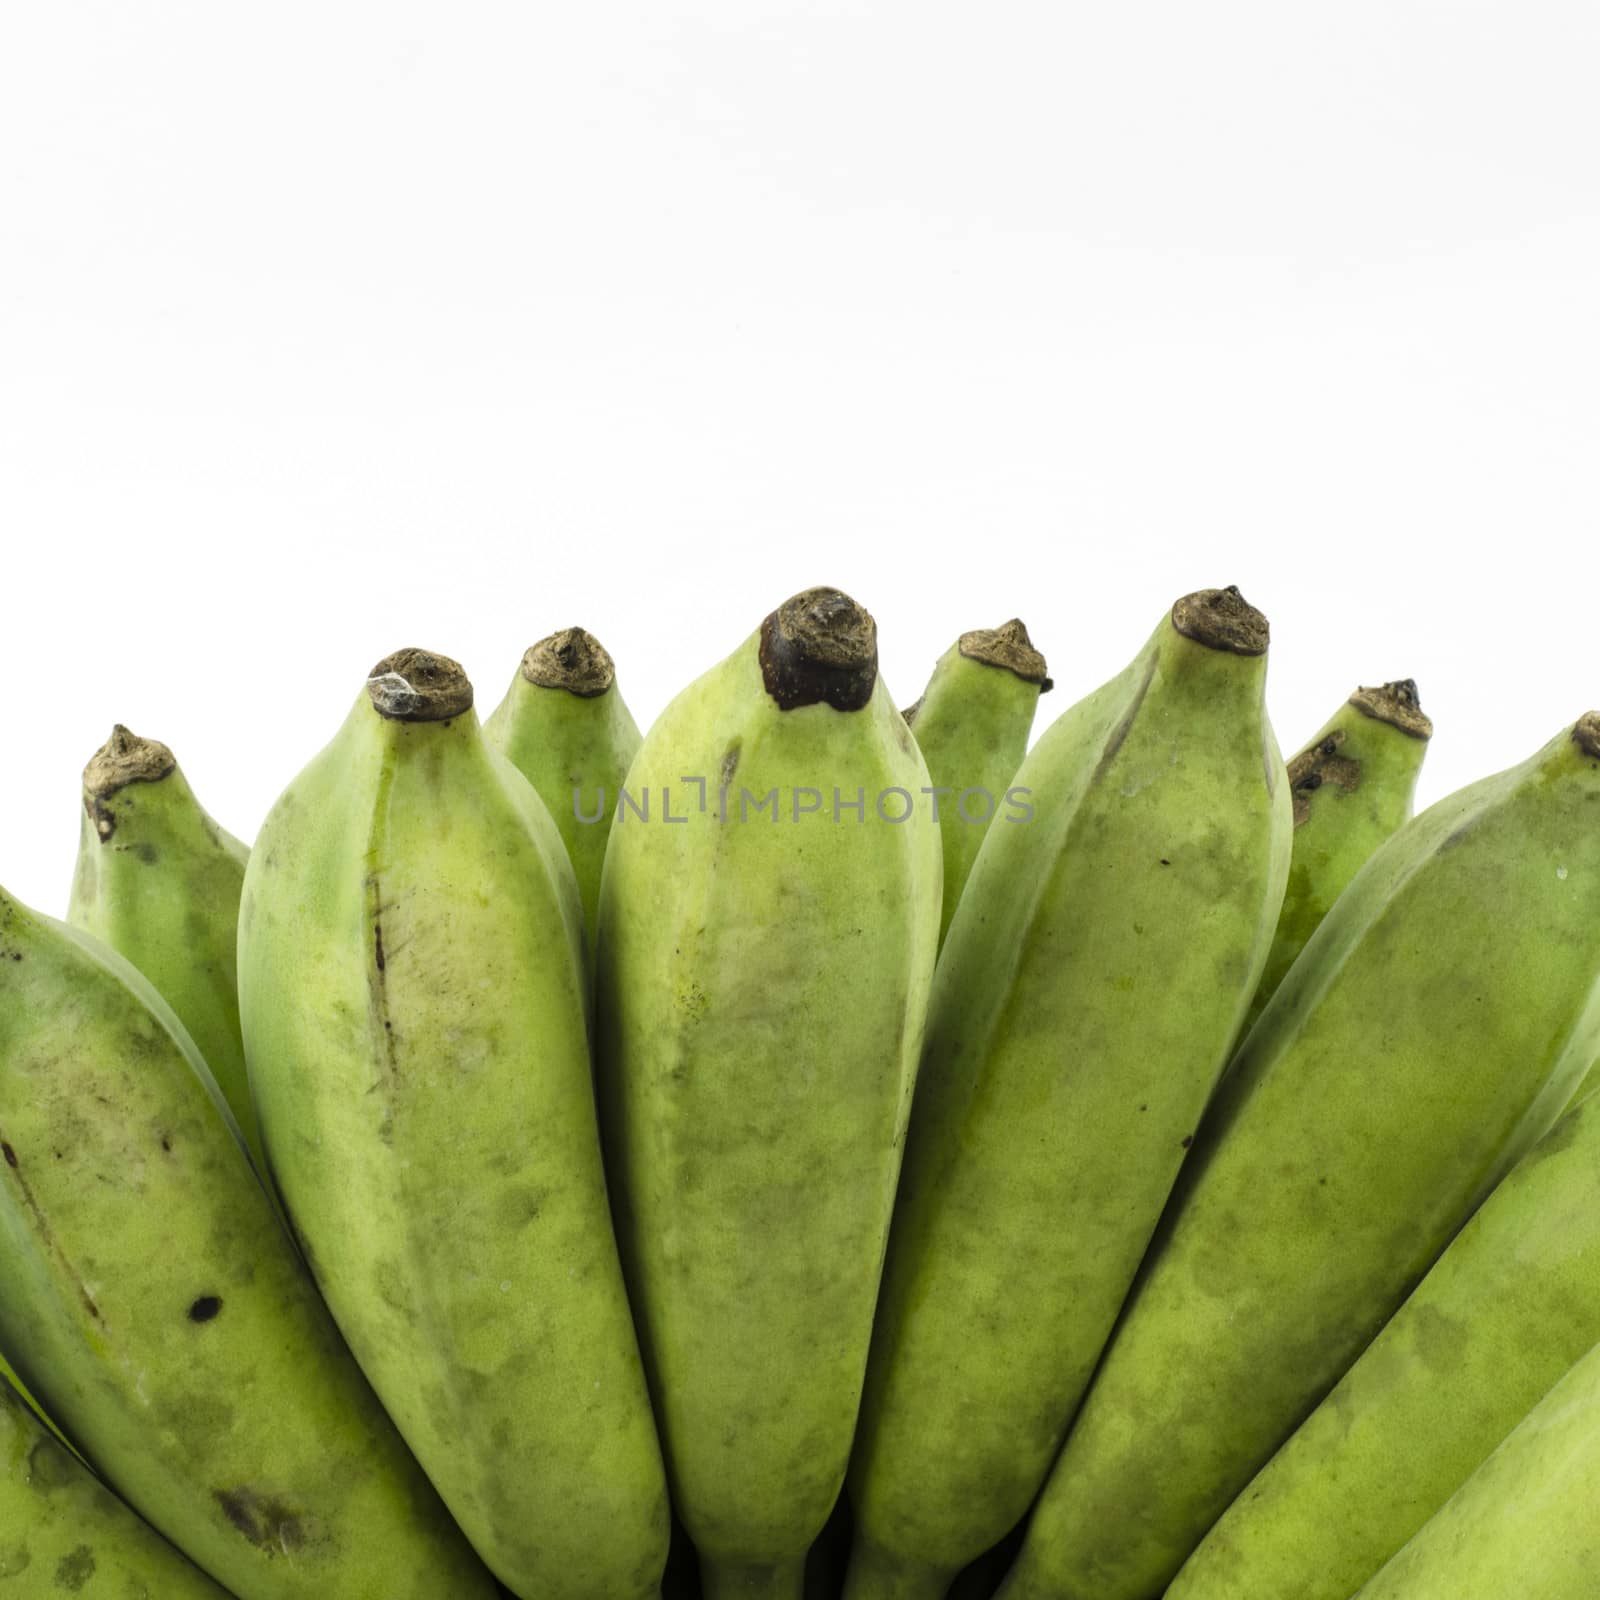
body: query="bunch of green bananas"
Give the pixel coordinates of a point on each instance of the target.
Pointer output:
(810, 1150)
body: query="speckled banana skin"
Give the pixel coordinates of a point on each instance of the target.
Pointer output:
(1086, 1000)
(160, 1313)
(1431, 1031)
(158, 880)
(63, 1532)
(415, 1018)
(762, 989)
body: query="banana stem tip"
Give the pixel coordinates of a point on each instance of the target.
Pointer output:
(419, 686)
(820, 647)
(572, 659)
(1222, 619)
(123, 759)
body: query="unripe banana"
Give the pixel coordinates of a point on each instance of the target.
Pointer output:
(972, 725)
(1523, 1526)
(763, 979)
(159, 882)
(565, 728)
(1504, 1312)
(1352, 786)
(157, 1308)
(1092, 984)
(1431, 1031)
(415, 1017)
(63, 1532)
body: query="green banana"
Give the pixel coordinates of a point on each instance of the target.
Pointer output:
(415, 1018)
(159, 882)
(1430, 1032)
(763, 978)
(159, 1311)
(1508, 1307)
(564, 726)
(64, 1532)
(972, 725)
(1524, 1523)
(1353, 786)
(1086, 1000)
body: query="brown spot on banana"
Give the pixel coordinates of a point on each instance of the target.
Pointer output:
(1321, 764)
(267, 1522)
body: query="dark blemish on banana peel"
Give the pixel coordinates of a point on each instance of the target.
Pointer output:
(205, 1308)
(75, 1569)
(268, 1524)
(1321, 764)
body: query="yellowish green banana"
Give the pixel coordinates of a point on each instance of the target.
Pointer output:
(1353, 785)
(1087, 997)
(415, 1017)
(64, 1532)
(155, 1305)
(158, 880)
(972, 725)
(764, 965)
(564, 726)
(1504, 1312)
(1431, 1031)
(1523, 1526)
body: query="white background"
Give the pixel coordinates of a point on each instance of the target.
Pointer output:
(326, 329)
